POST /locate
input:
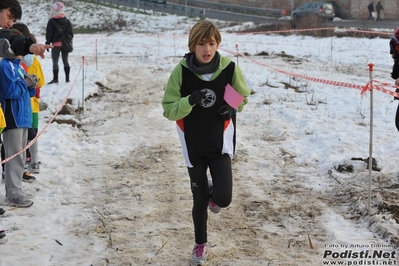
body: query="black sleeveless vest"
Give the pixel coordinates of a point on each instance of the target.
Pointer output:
(203, 127)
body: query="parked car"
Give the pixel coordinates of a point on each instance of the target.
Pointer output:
(324, 11)
(337, 8)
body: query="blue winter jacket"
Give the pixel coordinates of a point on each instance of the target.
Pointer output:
(15, 95)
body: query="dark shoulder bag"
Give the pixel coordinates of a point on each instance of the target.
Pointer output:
(66, 39)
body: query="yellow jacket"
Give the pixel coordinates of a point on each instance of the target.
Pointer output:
(36, 68)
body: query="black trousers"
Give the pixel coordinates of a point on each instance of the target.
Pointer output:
(378, 16)
(221, 194)
(55, 55)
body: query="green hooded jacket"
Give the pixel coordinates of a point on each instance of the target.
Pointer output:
(175, 107)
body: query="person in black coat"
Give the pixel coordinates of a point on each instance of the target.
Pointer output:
(54, 31)
(370, 7)
(379, 7)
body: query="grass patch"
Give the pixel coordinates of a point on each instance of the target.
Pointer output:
(71, 122)
(295, 88)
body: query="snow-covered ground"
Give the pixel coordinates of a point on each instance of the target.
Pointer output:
(113, 188)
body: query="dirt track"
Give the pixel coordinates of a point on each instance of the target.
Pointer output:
(145, 204)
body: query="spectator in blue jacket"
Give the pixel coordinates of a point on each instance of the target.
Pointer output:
(16, 89)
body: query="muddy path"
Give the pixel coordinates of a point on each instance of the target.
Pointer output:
(144, 203)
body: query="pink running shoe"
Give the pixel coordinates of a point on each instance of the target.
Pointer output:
(213, 207)
(199, 255)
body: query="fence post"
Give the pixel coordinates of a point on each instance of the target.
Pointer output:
(371, 66)
(174, 42)
(237, 52)
(96, 55)
(83, 85)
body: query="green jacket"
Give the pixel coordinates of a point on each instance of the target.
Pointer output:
(175, 107)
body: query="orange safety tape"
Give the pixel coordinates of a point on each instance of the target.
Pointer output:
(302, 76)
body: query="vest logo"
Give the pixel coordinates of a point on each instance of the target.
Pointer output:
(210, 98)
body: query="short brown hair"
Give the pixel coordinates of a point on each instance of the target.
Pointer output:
(204, 30)
(13, 6)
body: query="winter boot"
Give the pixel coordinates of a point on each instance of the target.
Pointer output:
(67, 70)
(55, 77)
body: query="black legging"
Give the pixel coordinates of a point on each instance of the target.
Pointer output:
(220, 170)
(55, 55)
(397, 119)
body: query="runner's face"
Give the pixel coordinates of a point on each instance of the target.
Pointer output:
(206, 50)
(6, 19)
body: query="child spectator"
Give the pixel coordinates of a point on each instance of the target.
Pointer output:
(16, 89)
(11, 45)
(33, 66)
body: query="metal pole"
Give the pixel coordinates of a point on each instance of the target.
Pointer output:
(83, 85)
(371, 132)
(174, 42)
(186, 8)
(96, 56)
(237, 52)
(331, 51)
